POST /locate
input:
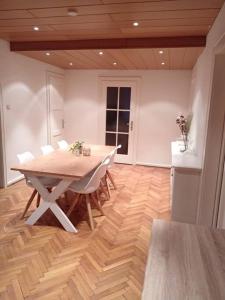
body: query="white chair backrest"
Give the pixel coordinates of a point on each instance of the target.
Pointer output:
(111, 155)
(63, 145)
(25, 157)
(94, 182)
(47, 149)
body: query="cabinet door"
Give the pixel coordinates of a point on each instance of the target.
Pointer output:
(185, 195)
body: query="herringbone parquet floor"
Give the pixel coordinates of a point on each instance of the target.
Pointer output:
(45, 262)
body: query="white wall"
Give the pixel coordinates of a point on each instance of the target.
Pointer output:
(203, 133)
(201, 87)
(23, 82)
(163, 94)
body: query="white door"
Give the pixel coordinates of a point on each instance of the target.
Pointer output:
(56, 108)
(119, 99)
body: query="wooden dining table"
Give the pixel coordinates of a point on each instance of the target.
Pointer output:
(66, 167)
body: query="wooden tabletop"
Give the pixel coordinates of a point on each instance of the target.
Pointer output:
(64, 164)
(185, 262)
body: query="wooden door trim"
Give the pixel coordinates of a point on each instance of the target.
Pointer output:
(50, 74)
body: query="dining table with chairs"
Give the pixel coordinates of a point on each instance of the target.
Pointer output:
(59, 170)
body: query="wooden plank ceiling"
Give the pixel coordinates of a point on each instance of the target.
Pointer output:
(104, 19)
(128, 59)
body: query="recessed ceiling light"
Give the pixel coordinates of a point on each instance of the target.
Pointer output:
(47, 53)
(160, 52)
(100, 52)
(115, 63)
(162, 63)
(72, 12)
(135, 24)
(70, 63)
(36, 28)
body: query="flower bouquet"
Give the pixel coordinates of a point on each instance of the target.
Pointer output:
(76, 148)
(183, 125)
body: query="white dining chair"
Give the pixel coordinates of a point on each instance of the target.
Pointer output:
(24, 158)
(111, 156)
(48, 182)
(63, 145)
(47, 149)
(88, 186)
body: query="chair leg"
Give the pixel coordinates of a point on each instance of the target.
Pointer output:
(97, 203)
(29, 202)
(38, 200)
(111, 179)
(104, 191)
(89, 211)
(73, 205)
(98, 195)
(107, 186)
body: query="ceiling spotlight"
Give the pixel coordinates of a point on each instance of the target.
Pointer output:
(135, 24)
(47, 53)
(115, 63)
(72, 12)
(100, 52)
(70, 63)
(160, 52)
(36, 28)
(162, 63)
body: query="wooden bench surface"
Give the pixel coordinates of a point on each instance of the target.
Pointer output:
(185, 262)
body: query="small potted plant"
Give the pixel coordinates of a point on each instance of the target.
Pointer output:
(184, 128)
(76, 147)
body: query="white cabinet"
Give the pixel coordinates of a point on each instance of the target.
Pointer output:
(184, 196)
(185, 181)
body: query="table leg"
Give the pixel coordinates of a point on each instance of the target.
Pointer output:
(49, 201)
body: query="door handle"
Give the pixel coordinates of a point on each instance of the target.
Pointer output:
(131, 125)
(63, 124)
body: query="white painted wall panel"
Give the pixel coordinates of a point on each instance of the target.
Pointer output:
(23, 82)
(163, 94)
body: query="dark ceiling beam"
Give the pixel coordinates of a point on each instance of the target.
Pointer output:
(121, 43)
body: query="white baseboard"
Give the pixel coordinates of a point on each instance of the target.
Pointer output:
(153, 165)
(15, 180)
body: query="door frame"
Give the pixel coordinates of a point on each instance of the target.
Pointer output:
(50, 74)
(210, 186)
(3, 174)
(102, 108)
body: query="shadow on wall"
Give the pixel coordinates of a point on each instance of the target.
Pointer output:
(196, 124)
(25, 120)
(22, 113)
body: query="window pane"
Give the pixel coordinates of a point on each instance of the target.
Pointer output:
(112, 96)
(123, 140)
(125, 93)
(110, 139)
(111, 120)
(124, 119)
